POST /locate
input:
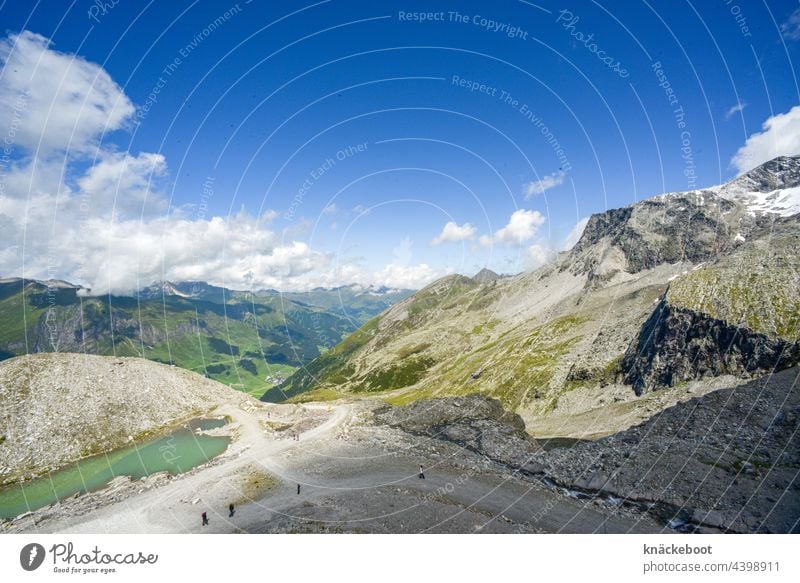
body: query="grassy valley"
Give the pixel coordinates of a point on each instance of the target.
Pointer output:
(249, 341)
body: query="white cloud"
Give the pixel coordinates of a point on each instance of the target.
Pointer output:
(124, 182)
(780, 136)
(536, 255)
(403, 253)
(331, 209)
(521, 227)
(542, 252)
(739, 107)
(791, 28)
(407, 276)
(96, 216)
(269, 215)
(454, 233)
(63, 101)
(538, 187)
(238, 252)
(575, 234)
(360, 209)
(395, 274)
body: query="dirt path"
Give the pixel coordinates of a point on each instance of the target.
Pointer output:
(176, 506)
(346, 485)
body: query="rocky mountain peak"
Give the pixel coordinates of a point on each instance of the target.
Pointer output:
(778, 173)
(485, 275)
(694, 226)
(773, 188)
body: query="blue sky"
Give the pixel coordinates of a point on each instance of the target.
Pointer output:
(334, 142)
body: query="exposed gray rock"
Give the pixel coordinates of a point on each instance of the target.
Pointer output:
(727, 460)
(778, 173)
(695, 226)
(485, 275)
(474, 422)
(677, 345)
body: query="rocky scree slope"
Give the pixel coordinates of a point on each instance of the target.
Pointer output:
(474, 422)
(727, 460)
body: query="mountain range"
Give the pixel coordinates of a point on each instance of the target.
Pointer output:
(656, 300)
(643, 381)
(247, 340)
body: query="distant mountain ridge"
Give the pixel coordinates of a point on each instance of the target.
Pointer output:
(247, 340)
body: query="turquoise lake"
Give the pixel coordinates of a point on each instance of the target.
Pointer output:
(175, 453)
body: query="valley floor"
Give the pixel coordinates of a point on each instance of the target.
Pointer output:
(354, 477)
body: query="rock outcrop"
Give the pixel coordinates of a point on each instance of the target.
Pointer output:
(677, 345)
(739, 315)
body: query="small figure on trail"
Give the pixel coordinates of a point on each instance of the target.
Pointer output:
(230, 509)
(421, 473)
(205, 518)
(298, 488)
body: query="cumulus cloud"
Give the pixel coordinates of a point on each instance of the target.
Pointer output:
(331, 209)
(538, 187)
(575, 234)
(122, 183)
(791, 28)
(739, 107)
(780, 136)
(522, 226)
(407, 276)
(86, 213)
(454, 233)
(541, 252)
(537, 255)
(352, 271)
(67, 102)
(125, 255)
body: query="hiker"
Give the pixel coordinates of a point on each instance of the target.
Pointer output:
(298, 488)
(421, 473)
(205, 518)
(230, 509)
